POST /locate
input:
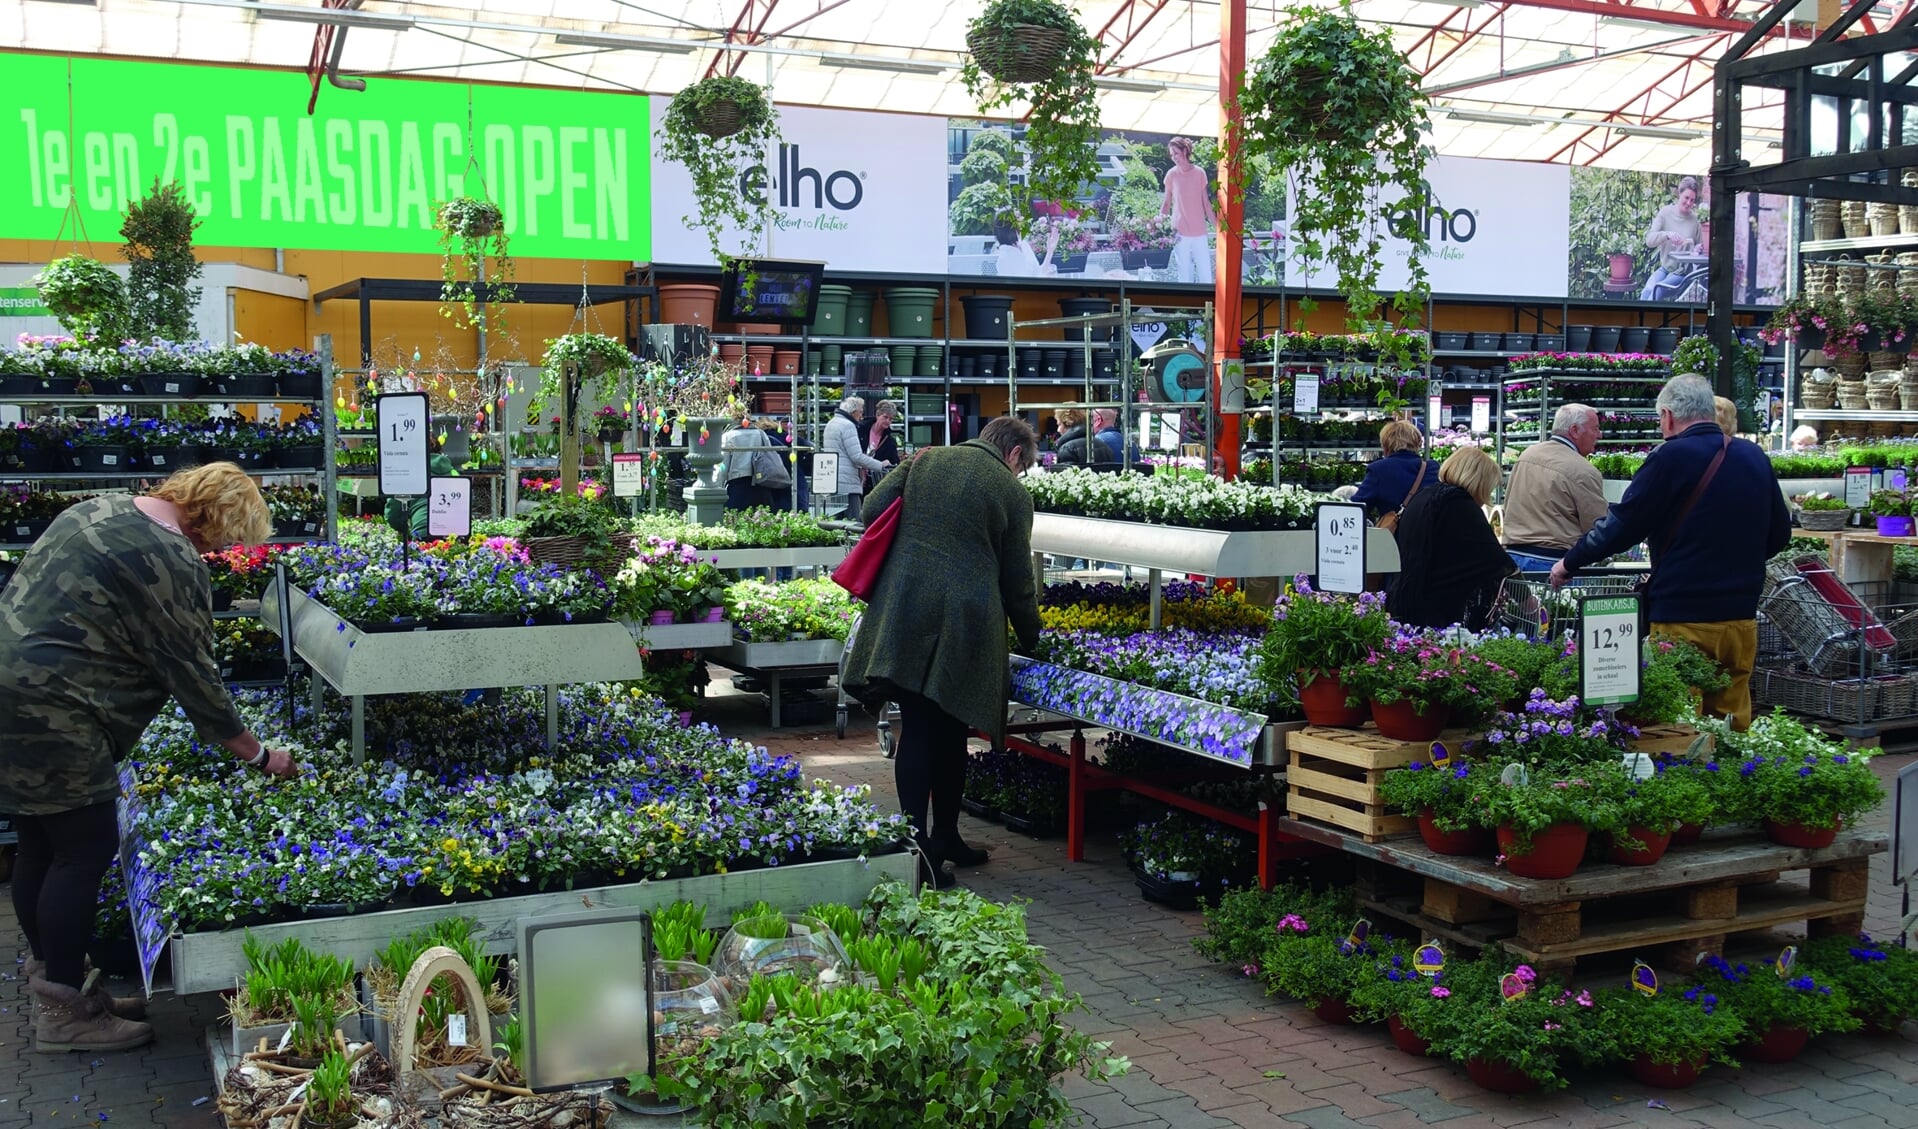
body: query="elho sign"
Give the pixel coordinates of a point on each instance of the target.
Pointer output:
(571, 170)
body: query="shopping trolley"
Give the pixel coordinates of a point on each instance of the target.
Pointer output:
(887, 713)
(1528, 605)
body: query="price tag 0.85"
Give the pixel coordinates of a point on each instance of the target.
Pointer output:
(404, 421)
(449, 508)
(1610, 639)
(1340, 547)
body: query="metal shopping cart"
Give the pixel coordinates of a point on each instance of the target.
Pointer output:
(887, 715)
(1528, 605)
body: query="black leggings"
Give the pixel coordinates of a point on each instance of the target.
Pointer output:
(930, 765)
(56, 883)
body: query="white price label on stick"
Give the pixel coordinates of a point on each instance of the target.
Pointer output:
(629, 469)
(1481, 413)
(405, 419)
(449, 508)
(1857, 487)
(1609, 644)
(1340, 554)
(825, 473)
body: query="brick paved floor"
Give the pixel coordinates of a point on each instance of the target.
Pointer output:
(1207, 1047)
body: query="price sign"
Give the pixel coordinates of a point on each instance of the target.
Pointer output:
(825, 472)
(1857, 487)
(1897, 478)
(1305, 393)
(628, 470)
(1608, 650)
(449, 508)
(1435, 414)
(1481, 413)
(1340, 551)
(405, 420)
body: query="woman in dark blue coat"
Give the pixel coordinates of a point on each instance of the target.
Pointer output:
(1388, 481)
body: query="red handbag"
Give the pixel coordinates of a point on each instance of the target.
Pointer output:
(859, 572)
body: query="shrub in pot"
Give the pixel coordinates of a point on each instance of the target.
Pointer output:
(1666, 1039)
(1881, 980)
(1316, 634)
(1780, 1010)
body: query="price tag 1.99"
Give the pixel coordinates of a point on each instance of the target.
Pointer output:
(1340, 547)
(1609, 644)
(405, 420)
(449, 508)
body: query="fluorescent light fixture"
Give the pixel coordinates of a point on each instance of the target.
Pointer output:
(1493, 117)
(82, 3)
(1677, 133)
(338, 17)
(628, 43)
(1139, 84)
(883, 63)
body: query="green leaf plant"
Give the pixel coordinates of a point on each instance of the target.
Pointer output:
(1005, 69)
(473, 246)
(719, 128)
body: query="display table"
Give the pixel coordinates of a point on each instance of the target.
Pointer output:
(773, 663)
(1863, 556)
(802, 556)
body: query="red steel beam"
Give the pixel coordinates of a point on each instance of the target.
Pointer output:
(1701, 21)
(1126, 24)
(1430, 44)
(748, 27)
(1228, 286)
(1687, 87)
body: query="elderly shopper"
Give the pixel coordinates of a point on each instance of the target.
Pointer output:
(750, 479)
(842, 439)
(1556, 494)
(1400, 474)
(1450, 562)
(1076, 445)
(933, 638)
(1709, 507)
(876, 434)
(110, 615)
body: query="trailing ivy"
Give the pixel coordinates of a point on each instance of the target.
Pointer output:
(691, 135)
(1062, 126)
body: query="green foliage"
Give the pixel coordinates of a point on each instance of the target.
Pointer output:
(983, 166)
(843, 920)
(1670, 1028)
(1429, 1006)
(593, 357)
(313, 1021)
(1792, 775)
(979, 206)
(1062, 122)
(1820, 501)
(161, 296)
(278, 976)
(509, 1042)
(1658, 804)
(1449, 793)
(562, 516)
(1763, 1000)
(1320, 632)
(88, 297)
(717, 164)
(1318, 966)
(994, 141)
(1671, 673)
(1611, 211)
(329, 1093)
(1538, 1034)
(1430, 671)
(680, 933)
(1881, 979)
(1339, 109)
(473, 241)
(1238, 927)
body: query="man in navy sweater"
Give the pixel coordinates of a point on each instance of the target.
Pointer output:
(1708, 563)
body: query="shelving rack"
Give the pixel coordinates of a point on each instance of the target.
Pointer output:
(1800, 248)
(1550, 380)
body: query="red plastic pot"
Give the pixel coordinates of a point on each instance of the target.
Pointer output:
(1621, 267)
(1798, 835)
(1666, 1075)
(1556, 851)
(1473, 841)
(1401, 720)
(1499, 1078)
(1324, 702)
(1655, 846)
(1333, 1010)
(1687, 834)
(1407, 1039)
(1780, 1044)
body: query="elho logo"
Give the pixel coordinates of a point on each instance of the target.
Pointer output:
(1436, 223)
(790, 178)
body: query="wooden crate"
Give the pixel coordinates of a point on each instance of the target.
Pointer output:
(1333, 775)
(1672, 739)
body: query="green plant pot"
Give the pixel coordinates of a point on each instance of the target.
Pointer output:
(829, 310)
(859, 314)
(910, 311)
(905, 360)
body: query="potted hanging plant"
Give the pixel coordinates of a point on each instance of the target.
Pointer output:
(1321, 970)
(1339, 107)
(473, 246)
(1314, 636)
(1516, 1033)
(1882, 980)
(593, 356)
(1801, 786)
(1036, 53)
(88, 297)
(1666, 1039)
(718, 128)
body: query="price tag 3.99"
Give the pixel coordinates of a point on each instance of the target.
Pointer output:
(1609, 645)
(449, 508)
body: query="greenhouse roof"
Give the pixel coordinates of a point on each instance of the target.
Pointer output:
(1571, 81)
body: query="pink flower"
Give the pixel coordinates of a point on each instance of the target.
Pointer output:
(1585, 999)
(1525, 974)
(1294, 923)
(1439, 992)
(1552, 1027)
(1249, 970)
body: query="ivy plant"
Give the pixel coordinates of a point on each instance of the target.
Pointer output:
(161, 294)
(718, 128)
(1008, 64)
(594, 356)
(1337, 108)
(87, 296)
(1697, 354)
(473, 245)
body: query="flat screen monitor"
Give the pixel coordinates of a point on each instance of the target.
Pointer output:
(770, 290)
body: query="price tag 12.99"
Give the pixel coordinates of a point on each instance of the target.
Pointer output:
(404, 420)
(1609, 644)
(449, 508)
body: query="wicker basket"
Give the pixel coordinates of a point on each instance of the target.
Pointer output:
(1897, 695)
(1853, 278)
(1907, 219)
(1823, 521)
(1855, 220)
(1026, 53)
(1850, 365)
(1883, 219)
(1882, 397)
(1828, 643)
(1825, 222)
(1908, 397)
(579, 552)
(1884, 361)
(719, 118)
(1855, 699)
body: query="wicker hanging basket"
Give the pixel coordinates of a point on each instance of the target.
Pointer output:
(1824, 521)
(1884, 361)
(1851, 365)
(1023, 53)
(1882, 397)
(1883, 219)
(719, 118)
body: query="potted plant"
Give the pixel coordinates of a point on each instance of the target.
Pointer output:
(1416, 682)
(1665, 1039)
(1516, 1033)
(1339, 107)
(1821, 510)
(1892, 509)
(1648, 812)
(1314, 636)
(1780, 1007)
(1409, 1003)
(718, 128)
(161, 295)
(1179, 858)
(1881, 980)
(88, 297)
(1320, 969)
(1443, 800)
(473, 254)
(1036, 54)
(1803, 787)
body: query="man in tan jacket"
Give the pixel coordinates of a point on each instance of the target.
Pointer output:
(1556, 494)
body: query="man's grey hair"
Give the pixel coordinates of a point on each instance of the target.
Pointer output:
(1569, 416)
(1104, 417)
(852, 404)
(1689, 398)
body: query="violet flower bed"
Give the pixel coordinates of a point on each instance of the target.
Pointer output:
(1196, 726)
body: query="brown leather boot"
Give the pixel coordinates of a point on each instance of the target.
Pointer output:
(76, 1019)
(126, 1007)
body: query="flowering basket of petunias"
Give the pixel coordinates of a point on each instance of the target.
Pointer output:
(1429, 671)
(1795, 778)
(1685, 1029)
(1315, 633)
(1536, 1035)
(1880, 979)
(240, 572)
(1765, 1000)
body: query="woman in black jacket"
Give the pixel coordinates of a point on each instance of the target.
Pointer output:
(1450, 561)
(1076, 446)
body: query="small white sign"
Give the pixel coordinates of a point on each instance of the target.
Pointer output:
(456, 1029)
(449, 508)
(1170, 431)
(629, 470)
(1340, 550)
(1481, 414)
(1858, 487)
(825, 473)
(405, 419)
(1608, 650)
(1305, 393)
(1435, 414)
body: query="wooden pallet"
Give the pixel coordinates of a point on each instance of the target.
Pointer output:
(1672, 739)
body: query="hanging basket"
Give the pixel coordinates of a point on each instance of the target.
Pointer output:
(1023, 53)
(469, 218)
(719, 118)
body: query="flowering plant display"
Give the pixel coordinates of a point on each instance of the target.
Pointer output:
(1763, 1000)
(1318, 633)
(1151, 232)
(1428, 1005)
(1671, 1028)
(240, 572)
(1213, 667)
(1018, 786)
(295, 503)
(756, 528)
(1652, 363)
(1429, 670)
(1667, 799)
(240, 643)
(1450, 792)
(1205, 503)
(1243, 922)
(1537, 1034)
(1124, 609)
(807, 608)
(1880, 979)
(1795, 776)
(1221, 732)
(666, 575)
(371, 581)
(1182, 847)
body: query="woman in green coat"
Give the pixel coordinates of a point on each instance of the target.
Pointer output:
(933, 638)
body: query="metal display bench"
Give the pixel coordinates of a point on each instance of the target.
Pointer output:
(775, 662)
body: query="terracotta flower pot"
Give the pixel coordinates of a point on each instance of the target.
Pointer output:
(1798, 835)
(1666, 1075)
(1407, 1039)
(1324, 702)
(1473, 841)
(1499, 1078)
(1687, 834)
(1655, 846)
(1333, 1010)
(1556, 851)
(1621, 267)
(1780, 1044)
(1401, 720)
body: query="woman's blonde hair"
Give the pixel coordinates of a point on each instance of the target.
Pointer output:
(220, 504)
(1400, 436)
(1726, 413)
(1070, 417)
(1472, 471)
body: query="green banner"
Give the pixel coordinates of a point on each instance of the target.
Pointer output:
(570, 169)
(22, 302)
